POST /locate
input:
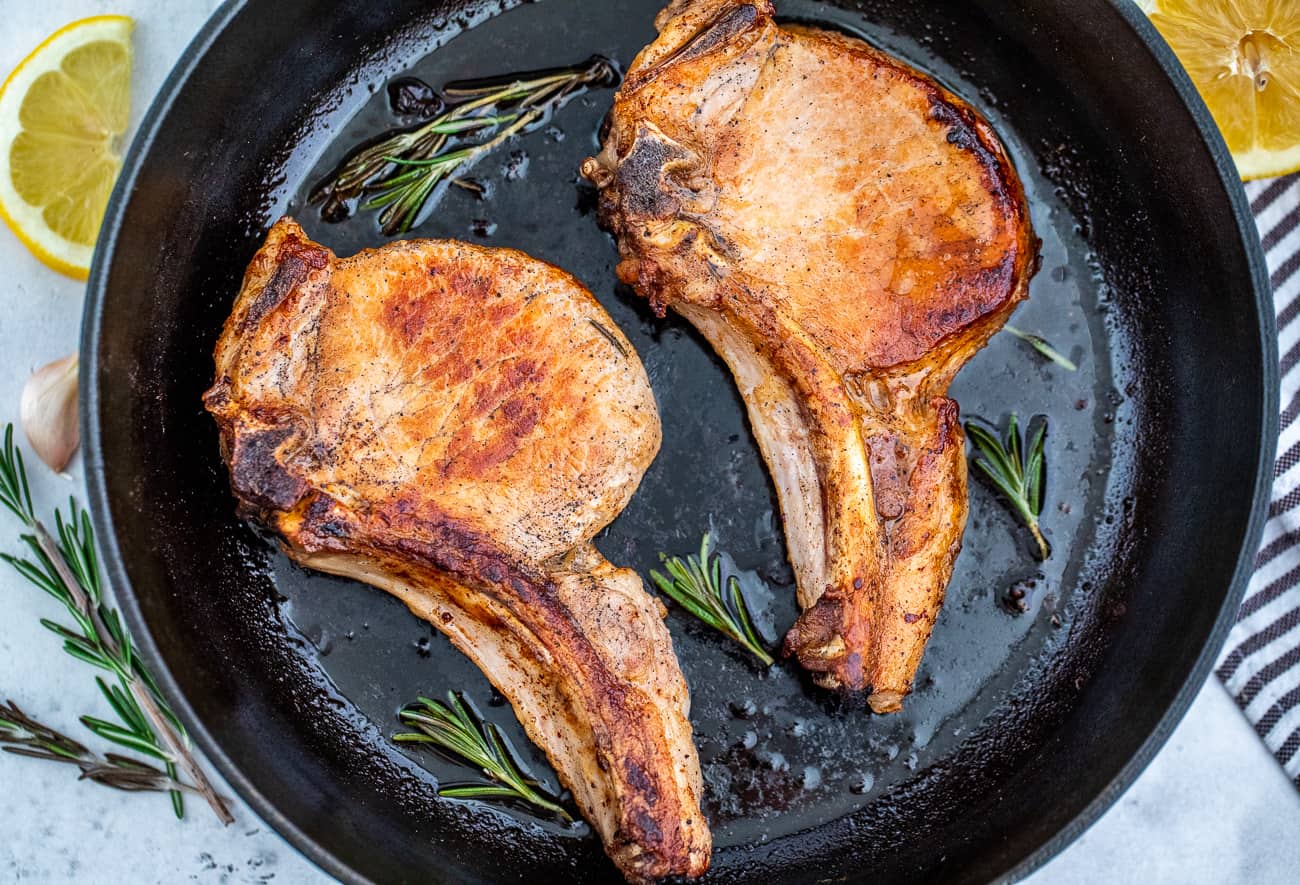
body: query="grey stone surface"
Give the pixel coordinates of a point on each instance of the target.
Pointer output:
(1213, 807)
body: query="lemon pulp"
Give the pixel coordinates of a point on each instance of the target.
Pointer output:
(1244, 57)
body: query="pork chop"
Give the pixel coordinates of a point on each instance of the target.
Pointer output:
(847, 234)
(453, 424)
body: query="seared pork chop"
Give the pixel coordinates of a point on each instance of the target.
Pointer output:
(453, 424)
(847, 234)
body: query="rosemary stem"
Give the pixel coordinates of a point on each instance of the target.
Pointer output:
(513, 129)
(184, 758)
(459, 112)
(1038, 537)
(162, 727)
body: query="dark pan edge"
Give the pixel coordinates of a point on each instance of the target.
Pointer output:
(88, 403)
(321, 856)
(1236, 195)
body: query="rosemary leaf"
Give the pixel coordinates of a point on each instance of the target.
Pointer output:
(696, 584)
(608, 336)
(477, 791)
(1040, 344)
(1016, 471)
(452, 728)
(121, 705)
(1036, 469)
(14, 493)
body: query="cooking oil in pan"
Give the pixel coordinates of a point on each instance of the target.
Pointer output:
(778, 754)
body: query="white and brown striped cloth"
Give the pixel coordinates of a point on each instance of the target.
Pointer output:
(1261, 662)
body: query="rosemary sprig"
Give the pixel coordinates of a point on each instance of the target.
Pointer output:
(1040, 344)
(400, 171)
(401, 196)
(24, 736)
(453, 729)
(67, 568)
(696, 584)
(1017, 470)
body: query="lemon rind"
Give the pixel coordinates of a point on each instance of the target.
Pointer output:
(1258, 163)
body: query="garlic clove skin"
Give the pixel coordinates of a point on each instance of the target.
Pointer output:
(48, 412)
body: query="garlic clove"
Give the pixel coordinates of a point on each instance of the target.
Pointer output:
(49, 412)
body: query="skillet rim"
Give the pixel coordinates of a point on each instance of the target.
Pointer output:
(1267, 454)
(120, 586)
(95, 467)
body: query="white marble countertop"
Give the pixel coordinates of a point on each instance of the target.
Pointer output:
(1212, 807)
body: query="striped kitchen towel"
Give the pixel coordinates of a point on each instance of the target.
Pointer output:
(1261, 662)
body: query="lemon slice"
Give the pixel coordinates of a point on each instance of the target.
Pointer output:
(1244, 57)
(63, 111)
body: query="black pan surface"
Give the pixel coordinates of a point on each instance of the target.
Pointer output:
(1024, 725)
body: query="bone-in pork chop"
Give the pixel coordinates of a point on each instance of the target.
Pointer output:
(847, 234)
(454, 424)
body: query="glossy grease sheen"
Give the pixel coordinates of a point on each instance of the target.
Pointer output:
(1020, 731)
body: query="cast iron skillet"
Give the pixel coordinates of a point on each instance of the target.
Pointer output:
(1023, 727)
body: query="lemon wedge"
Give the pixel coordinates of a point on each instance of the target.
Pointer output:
(63, 111)
(1244, 57)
